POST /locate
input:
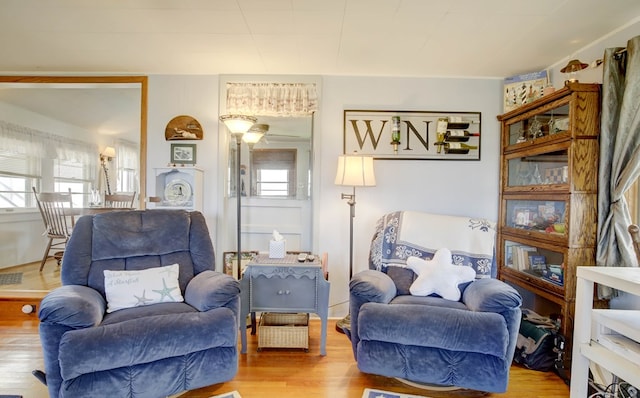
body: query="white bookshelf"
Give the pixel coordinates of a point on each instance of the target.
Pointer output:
(607, 337)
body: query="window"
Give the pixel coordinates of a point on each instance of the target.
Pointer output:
(274, 172)
(272, 182)
(17, 176)
(31, 158)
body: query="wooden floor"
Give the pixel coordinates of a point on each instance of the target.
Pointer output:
(270, 373)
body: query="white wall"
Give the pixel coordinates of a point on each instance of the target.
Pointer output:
(197, 96)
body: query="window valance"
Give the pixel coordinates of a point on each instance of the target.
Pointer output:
(23, 140)
(272, 99)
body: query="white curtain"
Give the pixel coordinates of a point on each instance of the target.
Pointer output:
(272, 99)
(21, 140)
(128, 166)
(619, 155)
(37, 144)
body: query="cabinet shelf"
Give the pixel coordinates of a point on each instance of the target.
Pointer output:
(627, 370)
(548, 290)
(626, 322)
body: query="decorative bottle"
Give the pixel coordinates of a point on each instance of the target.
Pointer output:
(441, 128)
(458, 148)
(395, 132)
(459, 135)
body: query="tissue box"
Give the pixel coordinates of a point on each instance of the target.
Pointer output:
(276, 248)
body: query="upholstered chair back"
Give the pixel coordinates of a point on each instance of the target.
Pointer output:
(401, 234)
(136, 240)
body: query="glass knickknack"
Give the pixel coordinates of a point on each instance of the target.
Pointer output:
(551, 123)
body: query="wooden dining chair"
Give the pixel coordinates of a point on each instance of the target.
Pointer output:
(58, 226)
(634, 231)
(120, 200)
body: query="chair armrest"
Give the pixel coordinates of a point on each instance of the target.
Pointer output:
(73, 306)
(491, 295)
(211, 289)
(372, 286)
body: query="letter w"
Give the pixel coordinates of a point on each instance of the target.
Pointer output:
(368, 133)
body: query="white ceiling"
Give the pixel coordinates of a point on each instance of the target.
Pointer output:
(475, 38)
(470, 38)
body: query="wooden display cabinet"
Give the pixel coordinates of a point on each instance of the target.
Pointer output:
(548, 201)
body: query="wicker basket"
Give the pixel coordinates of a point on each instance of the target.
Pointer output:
(283, 330)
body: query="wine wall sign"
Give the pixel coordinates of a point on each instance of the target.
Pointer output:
(413, 135)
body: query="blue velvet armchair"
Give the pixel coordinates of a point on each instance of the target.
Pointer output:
(467, 343)
(146, 350)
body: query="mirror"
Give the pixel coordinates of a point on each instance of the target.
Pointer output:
(276, 180)
(108, 108)
(278, 166)
(111, 109)
(277, 173)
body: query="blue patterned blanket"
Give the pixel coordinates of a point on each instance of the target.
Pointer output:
(407, 233)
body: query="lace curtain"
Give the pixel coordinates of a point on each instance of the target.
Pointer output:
(619, 155)
(272, 99)
(20, 140)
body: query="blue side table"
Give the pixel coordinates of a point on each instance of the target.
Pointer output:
(284, 285)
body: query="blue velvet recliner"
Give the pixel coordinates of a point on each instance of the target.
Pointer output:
(92, 349)
(467, 343)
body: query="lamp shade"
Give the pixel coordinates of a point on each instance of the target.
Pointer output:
(252, 137)
(355, 170)
(109, 152)
(255, 133)
(238, 124)
(573, 66)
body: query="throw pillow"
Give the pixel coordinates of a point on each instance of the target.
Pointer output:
(126, 289)
(439, 275)
(402, 277)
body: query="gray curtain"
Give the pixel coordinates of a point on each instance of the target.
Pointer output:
(619, 154)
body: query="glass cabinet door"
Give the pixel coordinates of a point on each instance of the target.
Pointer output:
(537, 215)
(548, 123)
(534, 261)
(543, 168)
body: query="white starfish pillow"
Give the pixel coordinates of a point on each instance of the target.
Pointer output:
(439, 275)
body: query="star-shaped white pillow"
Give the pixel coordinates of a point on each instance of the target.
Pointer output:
(439, 275)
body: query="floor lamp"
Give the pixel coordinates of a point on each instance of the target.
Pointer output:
(238, 125)
(355, 171)
(106, 156)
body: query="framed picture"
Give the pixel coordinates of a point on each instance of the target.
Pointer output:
(183, 153)
(413, 135)
(523, 89)
(183, 128)
(230, 261)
